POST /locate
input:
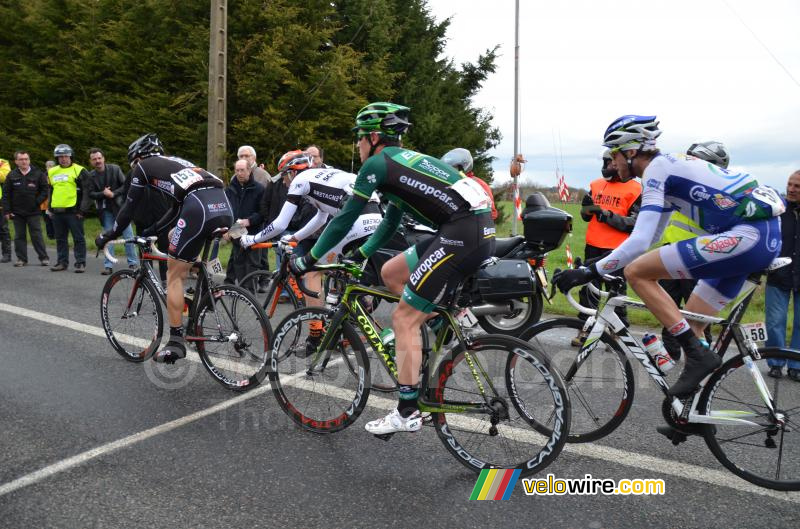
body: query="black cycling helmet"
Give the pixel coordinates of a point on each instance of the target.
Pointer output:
(147, 145)
(388, 119)
(62, 149)
(712, 152)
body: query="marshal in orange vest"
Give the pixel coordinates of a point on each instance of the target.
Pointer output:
(616, 197)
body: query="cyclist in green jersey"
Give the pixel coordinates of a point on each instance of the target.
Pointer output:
(434, 194)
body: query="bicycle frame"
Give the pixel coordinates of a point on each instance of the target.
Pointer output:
(605, 317)
(431, 399)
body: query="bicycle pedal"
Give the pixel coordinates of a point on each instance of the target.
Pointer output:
(383, 436)
(672, 434)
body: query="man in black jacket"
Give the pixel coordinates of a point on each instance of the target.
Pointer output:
(106, 187)
(24, 189)
(784, 283)
(244, 194)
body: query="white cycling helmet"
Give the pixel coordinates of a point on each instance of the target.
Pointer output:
(632, 132)
(712, 152)
(459, 158)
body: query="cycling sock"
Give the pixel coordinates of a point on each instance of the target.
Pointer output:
(176, 331)
(408, 400)
(679, 328)
(687, 339)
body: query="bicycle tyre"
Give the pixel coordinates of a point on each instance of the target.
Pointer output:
(733, 387)
(523, 383)
(305, 390)
(133, 342)
(599, 403)
(266, 301)
(242, 364)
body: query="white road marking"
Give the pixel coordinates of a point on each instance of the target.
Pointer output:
(595, 451)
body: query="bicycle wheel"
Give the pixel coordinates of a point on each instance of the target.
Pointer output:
(602, 388)
(520, 388)
(132, 315)
(234, 336)
(317, 389)
(766, 453)
(280, 298)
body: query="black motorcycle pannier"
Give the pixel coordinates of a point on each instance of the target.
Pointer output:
(505, 279)
(545, 226)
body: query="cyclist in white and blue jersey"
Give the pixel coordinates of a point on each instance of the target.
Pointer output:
(739, 215)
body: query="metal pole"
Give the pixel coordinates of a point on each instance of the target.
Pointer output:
(516, 106)
(217, 67)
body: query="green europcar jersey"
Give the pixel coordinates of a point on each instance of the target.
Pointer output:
(413, 183)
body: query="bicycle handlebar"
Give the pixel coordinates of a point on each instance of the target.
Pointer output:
(274, 244)
(145, 242)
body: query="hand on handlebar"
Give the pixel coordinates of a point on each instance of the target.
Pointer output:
(566, 280)
(355, 256)
(300, 265)
(102, 239)
(246, 241)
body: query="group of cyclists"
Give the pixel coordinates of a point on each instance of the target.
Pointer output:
(731, 206)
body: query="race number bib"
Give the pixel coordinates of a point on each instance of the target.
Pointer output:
(472, 192)
(186, 177)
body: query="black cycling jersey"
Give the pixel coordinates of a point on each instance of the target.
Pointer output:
(170, 175)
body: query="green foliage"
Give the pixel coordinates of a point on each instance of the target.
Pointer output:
(103, 72)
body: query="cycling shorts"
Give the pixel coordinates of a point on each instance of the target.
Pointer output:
(439, 264)
(203, 211)
(723, 261)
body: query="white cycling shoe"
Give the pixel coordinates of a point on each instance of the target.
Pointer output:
(394, 422)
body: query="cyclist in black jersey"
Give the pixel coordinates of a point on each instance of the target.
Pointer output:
(199, 206)
(434, 194)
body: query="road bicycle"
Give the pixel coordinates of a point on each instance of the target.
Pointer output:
(224, 322)
(279, 283)
(750, 424)
(483, 393)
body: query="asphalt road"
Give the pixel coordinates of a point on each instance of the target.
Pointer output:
(90, 440)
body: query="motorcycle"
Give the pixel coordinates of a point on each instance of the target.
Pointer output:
(507, 293)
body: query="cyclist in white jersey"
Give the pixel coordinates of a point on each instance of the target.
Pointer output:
(739, 215)
(327, 189)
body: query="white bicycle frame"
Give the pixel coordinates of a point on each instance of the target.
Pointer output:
(607, 318)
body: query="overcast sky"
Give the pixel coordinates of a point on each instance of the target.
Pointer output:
(694, 64)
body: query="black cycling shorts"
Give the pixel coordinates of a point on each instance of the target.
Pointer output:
(438, 265)
(203, 211)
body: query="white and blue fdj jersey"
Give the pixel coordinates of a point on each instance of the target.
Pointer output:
(738, 214)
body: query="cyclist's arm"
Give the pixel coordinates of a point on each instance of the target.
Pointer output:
(281, 222)
(339, 226)
(387, 228)
(316, 222)
(649, 225)
(135, 194)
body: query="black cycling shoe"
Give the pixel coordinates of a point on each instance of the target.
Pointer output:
(174, 350)
(700, 362)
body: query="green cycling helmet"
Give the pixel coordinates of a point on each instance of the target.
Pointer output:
(389, 119)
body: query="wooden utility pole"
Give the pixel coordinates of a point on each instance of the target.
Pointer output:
(217, 67)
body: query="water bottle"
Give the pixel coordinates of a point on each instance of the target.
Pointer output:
(387, 338)
(656, 348)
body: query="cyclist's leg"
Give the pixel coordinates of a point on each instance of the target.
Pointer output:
(457, 250)
(186, 240)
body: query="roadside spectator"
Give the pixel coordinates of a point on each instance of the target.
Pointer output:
(610, 208)
(784, 283)
(5, 237)
(248, 153)
(106, 187)
(67, 181)
(45, 206)
(24, 189)
(317, 155)
(244, 194)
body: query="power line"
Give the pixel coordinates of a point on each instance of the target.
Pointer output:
(753, 33)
